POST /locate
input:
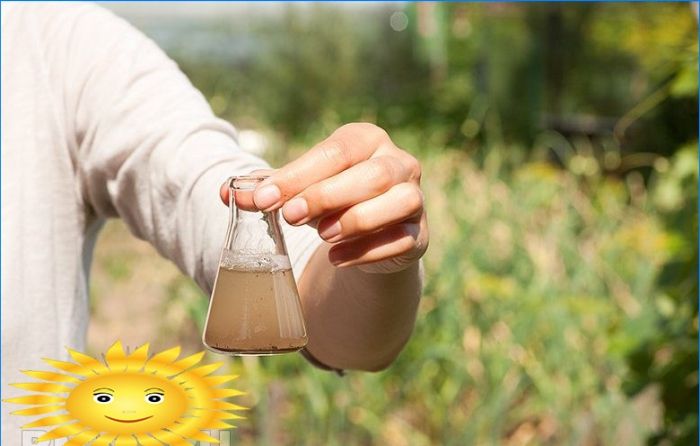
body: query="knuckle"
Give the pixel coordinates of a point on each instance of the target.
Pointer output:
(380, 174)
(367, 131)
(375, 130)
(360, 221)
(338, 152)
(367, 128)
(414, 167)
(323, 195)
(414, 199)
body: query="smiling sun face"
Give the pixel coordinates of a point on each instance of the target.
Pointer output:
(129, 399)
(127, 403)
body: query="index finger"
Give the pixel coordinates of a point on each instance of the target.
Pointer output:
(347, 146)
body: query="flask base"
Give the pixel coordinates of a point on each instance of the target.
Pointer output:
(254, 352)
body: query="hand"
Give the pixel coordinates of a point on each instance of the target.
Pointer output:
(361, 192)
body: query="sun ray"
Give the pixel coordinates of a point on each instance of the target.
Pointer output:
(82, 438)
(35, 399)
(43, 387)
(226, 393)
(192, 431)
(147, 440)
(189, 361)
(225, 405)
(213, 381)
(69, 367)
(103, 440)
(176, 368)
(187, 426)
(223, 417)
(50, 421)
(220, 425)
(162, 364)
(125, 440)
(115, 357)
(137, 360)
(39, 410)
(207, 369)
(87, 361)
(66, 430)
(219, 414)
(170, 438)
(51, 376)
(201, 436)
(213, 421)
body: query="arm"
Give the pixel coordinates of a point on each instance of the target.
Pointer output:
(357, 320)
(146, 146)
(150, 151)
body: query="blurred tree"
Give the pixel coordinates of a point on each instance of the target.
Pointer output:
(668, 357)
(464, 75)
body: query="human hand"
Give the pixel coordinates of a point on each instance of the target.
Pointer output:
(361, 192)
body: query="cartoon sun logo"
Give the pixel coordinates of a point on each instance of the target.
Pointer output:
(129, 399)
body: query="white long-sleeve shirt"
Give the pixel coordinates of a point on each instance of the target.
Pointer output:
(97, 122)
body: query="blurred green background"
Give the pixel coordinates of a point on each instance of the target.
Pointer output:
(559, 145)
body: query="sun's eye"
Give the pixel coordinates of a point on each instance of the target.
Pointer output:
(155, 398)
(102, 398)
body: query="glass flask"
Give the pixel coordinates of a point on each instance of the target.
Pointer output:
(254, 308)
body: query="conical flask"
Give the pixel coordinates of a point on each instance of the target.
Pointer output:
(254, 308)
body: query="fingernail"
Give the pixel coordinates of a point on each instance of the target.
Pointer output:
(341, 262)
(338, 256)
(331, 231)
(295, 210)
(266, 196)
(335, 259)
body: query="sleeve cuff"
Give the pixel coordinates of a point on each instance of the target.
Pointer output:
(318, 364)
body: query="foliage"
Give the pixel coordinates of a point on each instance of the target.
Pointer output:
(668, 355)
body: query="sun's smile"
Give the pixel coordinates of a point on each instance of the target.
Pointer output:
(128, 421)
(170, 400)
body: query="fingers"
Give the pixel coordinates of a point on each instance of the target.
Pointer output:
(358, 189)
(403, 202)
(403, 242)
(347, 146)
(359, 183)
(242, 200)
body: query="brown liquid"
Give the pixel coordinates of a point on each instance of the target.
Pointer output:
(255, 312)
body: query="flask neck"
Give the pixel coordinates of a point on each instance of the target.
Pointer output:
(252, 232)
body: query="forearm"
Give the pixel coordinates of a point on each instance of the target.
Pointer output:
(357, 320)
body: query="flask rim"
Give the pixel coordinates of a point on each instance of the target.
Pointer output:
(246, 182)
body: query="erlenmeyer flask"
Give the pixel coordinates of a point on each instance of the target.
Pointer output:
(254, 308)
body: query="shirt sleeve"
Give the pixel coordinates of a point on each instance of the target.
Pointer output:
(148, 148)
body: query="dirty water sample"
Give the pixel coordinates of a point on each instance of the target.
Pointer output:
(255, 308)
